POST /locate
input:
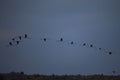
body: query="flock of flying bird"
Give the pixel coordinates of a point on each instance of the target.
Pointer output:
(16, 40)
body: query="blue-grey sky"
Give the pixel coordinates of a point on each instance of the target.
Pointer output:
(95, 22)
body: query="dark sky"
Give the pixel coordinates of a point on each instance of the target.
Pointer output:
(94, 22)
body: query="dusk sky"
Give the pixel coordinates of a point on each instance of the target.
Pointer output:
(94, 22)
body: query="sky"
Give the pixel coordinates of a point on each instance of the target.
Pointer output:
(94, 22)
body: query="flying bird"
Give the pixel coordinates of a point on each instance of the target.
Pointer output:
(44, 39)
(26, 36)
(110, 53)
(10, 43)
(13, 39)
(17, 42)
(99, 48)
(61, 39)
(20, 37)
(84, 44)
(91, 45)
(71, 42)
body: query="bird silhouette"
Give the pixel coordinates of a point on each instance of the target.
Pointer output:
(13, 39)
(71, 42)
(20, 37)
(17, 42)
(99, 48)
(26, 36)
(44, 39)
(84, 44)
(110, 53)
(91, 45)
(61, 39)
(10, 43)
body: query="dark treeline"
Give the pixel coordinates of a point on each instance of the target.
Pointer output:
(22, 76)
